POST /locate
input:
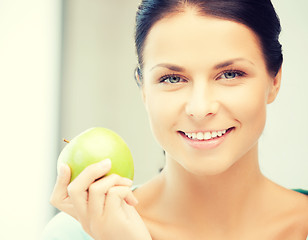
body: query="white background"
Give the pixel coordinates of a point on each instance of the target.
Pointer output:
(52, 89)
(29, 76)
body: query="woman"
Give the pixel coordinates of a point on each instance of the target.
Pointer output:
(207, 70)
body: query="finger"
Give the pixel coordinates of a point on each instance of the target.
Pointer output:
(59, 197)
(92, 173)
(78, 188)
(118, 195)
(60, 193)
(98, 191)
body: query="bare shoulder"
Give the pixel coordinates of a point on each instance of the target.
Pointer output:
(292, 217)
(298, 216)
(301, 209)
(298, 203)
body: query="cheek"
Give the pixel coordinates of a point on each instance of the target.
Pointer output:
(160, 112)
(165, 112)
(249, 107)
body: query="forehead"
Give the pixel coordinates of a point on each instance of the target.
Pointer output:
(188, 38)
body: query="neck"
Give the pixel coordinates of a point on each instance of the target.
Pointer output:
(223, 198)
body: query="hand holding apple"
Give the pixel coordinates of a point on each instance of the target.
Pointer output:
(95, 145)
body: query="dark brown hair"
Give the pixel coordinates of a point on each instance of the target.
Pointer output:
(258, 15)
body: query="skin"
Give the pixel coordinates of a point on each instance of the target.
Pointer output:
(207, 190)
(221, 188)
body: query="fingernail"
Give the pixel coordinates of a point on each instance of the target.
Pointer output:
(131, 200)
(105, 163)
(61, 169)
(128, 181)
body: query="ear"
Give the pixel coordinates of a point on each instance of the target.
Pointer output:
(274, 88)
(138, 76)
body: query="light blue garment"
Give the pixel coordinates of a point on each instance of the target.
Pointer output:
(64, 227)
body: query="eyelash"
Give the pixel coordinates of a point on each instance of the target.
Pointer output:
(237, 72)
(167, 76)
(232, 71)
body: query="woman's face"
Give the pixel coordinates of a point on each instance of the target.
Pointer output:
(205, 89)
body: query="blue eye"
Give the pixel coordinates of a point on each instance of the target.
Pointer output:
(229, 75)
(171, 79)
(232, 74)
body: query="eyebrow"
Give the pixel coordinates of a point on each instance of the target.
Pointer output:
(171, 67)
(177, 68)
(232, 61)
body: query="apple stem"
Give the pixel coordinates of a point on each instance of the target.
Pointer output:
(67, 141)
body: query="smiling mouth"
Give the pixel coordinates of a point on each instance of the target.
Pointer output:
(204, 136)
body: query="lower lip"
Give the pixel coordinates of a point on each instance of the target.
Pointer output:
(206, 144)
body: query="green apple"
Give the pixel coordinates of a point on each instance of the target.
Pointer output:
(95, 145)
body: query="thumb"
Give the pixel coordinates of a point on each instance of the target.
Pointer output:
(60, 189)
(63, 178)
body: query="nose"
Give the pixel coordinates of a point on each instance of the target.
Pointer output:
(201, 103)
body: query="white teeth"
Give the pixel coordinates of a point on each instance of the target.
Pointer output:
(200, 136)
(214, 134)
(205, 135)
